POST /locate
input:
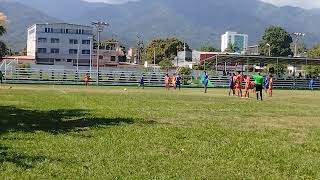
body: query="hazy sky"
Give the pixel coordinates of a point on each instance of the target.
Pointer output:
(300, 3)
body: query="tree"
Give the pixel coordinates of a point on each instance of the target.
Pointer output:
(23, 51)
(185, 71)
(278, 39)
(274, 69)
(314, 52)
(3, 20)
(2, 30)
(3, 50)
(312, 70)
(165, 63)
(231, 48)
(208, 49)
(164, 49)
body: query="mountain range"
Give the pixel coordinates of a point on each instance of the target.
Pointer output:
(198, 22)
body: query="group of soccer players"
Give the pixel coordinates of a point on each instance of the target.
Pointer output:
(174, 80)
(236, 85)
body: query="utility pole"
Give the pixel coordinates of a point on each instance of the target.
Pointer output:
(297, 36)
(99, 26)
(91, 47)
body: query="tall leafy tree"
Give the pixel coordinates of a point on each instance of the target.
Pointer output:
(314, 52)
(164, 49)
(3, 48)
(278, 39)
(3, 20)
(2, 30)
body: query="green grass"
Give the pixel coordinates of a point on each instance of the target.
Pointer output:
(73, 132)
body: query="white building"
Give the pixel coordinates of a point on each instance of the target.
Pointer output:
(60, 44)
(239, 41)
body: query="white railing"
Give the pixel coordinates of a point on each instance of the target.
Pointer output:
(61, 76)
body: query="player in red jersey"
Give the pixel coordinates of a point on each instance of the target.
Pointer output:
(238, 84)
(247, 86)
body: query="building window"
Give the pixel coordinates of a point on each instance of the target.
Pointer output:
(55, 40)
(100, 57)
(73, 41)
(48, 30)
(88, 32)
(73, 51)
(55, 51)
(42, 40)
(58, 60)
(69, 60)
(85, 41)
(42, 50)
(86, 51)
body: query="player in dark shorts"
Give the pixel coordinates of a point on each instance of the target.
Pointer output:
(1, 77)
(178, 82)
(258, 81)
(231, 84)
(266, 83)
(205, 81)
(141, 83)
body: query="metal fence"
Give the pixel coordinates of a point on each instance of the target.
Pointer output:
(56, 76)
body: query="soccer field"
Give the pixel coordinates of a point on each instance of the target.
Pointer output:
(76, 132)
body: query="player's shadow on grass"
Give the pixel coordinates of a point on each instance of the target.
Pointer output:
(14, 119)
(55, 121)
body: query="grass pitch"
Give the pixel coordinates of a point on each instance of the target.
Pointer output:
(74, 132)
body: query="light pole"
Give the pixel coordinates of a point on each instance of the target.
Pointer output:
(185, 53)
(91, 47)
(269, 49)
(178, 57)
(78, 57)
(154, 60)
(99, 26)
(140, 47)
(297, 36)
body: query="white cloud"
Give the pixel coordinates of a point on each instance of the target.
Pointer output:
(300, 3)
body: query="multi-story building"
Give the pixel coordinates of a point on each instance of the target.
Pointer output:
(60, 44)
(239, 41)
(110, 53)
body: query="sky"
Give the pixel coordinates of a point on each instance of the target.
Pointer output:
(300, 3)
